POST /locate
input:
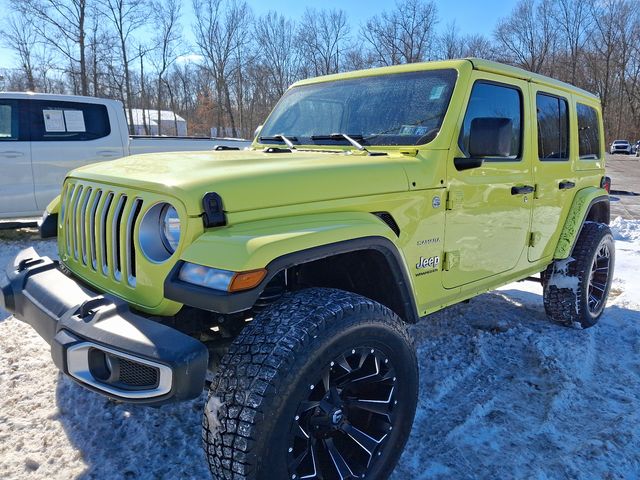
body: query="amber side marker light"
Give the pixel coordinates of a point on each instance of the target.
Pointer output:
(247, 280)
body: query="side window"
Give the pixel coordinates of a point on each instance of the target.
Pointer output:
(588, 132)
(553, 127)
(494, 101)
(9, 122)
(68, 121)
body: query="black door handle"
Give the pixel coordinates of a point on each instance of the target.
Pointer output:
(566, 185)
(522, 190)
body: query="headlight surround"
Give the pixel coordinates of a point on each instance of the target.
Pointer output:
(160, 232)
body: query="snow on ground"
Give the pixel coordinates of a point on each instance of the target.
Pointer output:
(504, 394)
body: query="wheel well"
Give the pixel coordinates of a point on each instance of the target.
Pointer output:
(599, 212)
(370, 273)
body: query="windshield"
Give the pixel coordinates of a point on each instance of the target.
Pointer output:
(397, 109)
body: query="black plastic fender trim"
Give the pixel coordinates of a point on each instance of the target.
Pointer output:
(226, 303)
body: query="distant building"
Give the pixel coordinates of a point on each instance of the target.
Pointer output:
(171, 124)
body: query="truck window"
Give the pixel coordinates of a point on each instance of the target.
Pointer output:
(553, 127)
(8, 122)
(588, 132)
(494, 100)
(53, 121)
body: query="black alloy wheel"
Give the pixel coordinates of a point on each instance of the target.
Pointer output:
(340, 429)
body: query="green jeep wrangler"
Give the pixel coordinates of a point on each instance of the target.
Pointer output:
(284, 276)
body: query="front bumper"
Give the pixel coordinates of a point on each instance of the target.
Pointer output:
(97, 340)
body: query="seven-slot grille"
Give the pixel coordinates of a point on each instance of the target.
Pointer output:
(98, 225)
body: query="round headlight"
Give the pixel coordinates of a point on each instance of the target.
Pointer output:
(170, 224)
(160, 232)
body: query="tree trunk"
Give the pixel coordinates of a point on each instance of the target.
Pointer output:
(81, 44)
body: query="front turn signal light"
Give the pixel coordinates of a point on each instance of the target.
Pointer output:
(247, 280)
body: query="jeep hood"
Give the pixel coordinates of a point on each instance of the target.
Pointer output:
(249, 180)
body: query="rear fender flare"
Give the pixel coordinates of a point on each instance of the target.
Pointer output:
(583, 202)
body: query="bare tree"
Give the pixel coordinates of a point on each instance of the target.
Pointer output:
(125, 17)
(167, 42)
(62, 25)
(276, 42)
(574, 21)
(451, 44)
(403, 35)
(20, 36)
(221, 28)
(323, 37)
(527, 36)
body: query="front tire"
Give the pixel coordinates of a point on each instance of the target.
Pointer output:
(322, 384)
(576, 289)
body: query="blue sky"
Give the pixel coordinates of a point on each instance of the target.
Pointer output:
(471, 16)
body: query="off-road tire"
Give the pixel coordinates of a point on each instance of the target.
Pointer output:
(566, 283)
(267, 373)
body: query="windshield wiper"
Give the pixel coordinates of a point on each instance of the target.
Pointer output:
(348, 138)
(287, 140)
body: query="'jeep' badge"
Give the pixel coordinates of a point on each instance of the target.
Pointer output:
(431, 262)
(435, 203)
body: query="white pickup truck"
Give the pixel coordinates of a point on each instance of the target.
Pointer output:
(44, 136)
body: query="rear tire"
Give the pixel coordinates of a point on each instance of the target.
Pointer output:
(323, 380)
(576, 289)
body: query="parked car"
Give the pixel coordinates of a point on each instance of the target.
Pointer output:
(42, 137)
(636, 148)
(620, 146)
(291, 271)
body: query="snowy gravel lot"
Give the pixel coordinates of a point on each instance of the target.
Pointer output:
(504, 394)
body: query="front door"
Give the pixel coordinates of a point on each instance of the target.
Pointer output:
(489, 207)
(16, 181)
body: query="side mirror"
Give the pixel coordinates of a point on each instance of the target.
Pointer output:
(257, 131)
(488, 137)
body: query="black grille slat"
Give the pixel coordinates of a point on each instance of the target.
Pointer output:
(131, 247)
(67, 215)
(83, 225)
(103, 226)
(115, 237)
(92, 229)
(74, 221)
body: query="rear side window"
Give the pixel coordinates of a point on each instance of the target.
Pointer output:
(494, 101)
(68, 121)
(588, 132)
(9, 123)
(553, 127)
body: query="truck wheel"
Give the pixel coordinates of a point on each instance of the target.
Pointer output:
(322, 384)
(576, 289)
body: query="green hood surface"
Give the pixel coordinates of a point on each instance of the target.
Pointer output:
(250, 180)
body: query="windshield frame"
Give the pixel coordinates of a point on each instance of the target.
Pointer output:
(265, 138)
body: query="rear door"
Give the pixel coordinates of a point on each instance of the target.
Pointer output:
(554, 173)
(489, 208)
(16, 180)
(67, 135)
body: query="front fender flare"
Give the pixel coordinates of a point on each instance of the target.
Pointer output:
(282, 243)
